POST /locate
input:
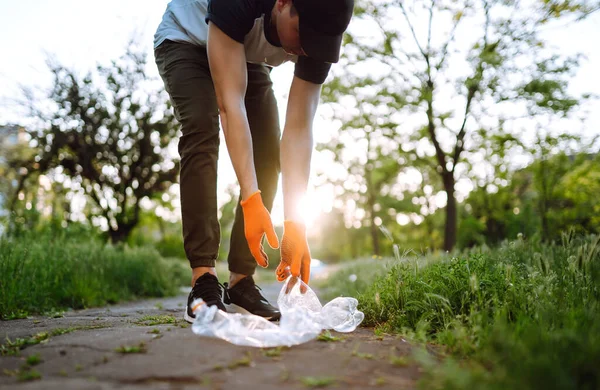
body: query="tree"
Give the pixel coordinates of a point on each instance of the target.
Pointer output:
(548, 169)
(580, 188)
(580, 9)
(492, 201)
(553, 194)
(109, 132)
(371, 167)
(433, 73)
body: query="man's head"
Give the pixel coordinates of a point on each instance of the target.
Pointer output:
(312, 27)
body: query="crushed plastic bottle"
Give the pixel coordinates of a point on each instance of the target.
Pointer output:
(340, 314)
(302, 319)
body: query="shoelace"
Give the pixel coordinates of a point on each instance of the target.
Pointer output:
(209, 289)
(249, 289)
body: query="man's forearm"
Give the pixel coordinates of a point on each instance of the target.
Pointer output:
(296, 145)
(239, 145)
(296, 151)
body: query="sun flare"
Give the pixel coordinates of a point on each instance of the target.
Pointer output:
(314, 204)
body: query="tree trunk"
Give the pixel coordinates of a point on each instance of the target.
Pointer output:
(121, 234)
(451, 216)
(374, 228)
(375, 237)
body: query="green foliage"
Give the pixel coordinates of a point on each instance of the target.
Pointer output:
(397, 113)
(109, 133)
(581, 8)
(42, 271)
(556, 193)
(14, 178)
(353, 278)
(164, 236)
(580, 188)
(171, 246)
(527, 315)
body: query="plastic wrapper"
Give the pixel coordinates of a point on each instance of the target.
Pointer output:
(302, 319)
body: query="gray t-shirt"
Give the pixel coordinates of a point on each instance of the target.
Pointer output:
(243, 21)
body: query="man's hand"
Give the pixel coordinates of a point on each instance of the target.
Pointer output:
(257, 223)
(295, 253)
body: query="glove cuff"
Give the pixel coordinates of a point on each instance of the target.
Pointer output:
(294, 226)
(254, 199)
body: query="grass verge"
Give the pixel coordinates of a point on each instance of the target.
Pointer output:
(524, 315)
(42, 273)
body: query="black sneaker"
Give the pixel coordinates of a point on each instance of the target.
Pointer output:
(245, 297)
(210, 290)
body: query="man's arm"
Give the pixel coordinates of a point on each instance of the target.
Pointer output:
(296, 150)
(227, 61)
(297, 143)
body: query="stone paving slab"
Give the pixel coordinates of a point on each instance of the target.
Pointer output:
(171, 356)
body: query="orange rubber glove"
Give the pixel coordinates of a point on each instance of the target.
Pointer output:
(257, 223)
(294, 252)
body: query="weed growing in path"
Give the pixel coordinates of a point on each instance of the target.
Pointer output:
(28, 375)
(326, 336)
(34, 359)
(246, 361)
(150, 320)
(140, 348)
(324, 381)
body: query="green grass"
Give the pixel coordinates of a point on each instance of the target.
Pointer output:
(26, 375)
(12, 347)
(524, 315)
(151, 320)
(311, 381)
(326, 336)
(124, 349)
(34, 359)
(41, 273)
(343, 283)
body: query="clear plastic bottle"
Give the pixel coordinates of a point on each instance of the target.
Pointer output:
(302, 319)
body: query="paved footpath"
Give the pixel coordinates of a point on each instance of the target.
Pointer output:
(147, 345)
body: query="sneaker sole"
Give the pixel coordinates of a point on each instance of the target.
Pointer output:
(187, 317)
(233, 308)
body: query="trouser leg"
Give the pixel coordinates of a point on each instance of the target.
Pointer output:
(186, 74)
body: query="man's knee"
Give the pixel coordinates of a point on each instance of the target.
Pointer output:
(200, 133)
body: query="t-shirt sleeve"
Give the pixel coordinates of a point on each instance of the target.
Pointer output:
(234, 17)
(311, 70)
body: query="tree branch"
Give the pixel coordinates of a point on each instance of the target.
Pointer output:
(445, 47)
(472, 90)
(412, 30)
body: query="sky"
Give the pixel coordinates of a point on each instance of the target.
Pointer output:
(82, 33)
